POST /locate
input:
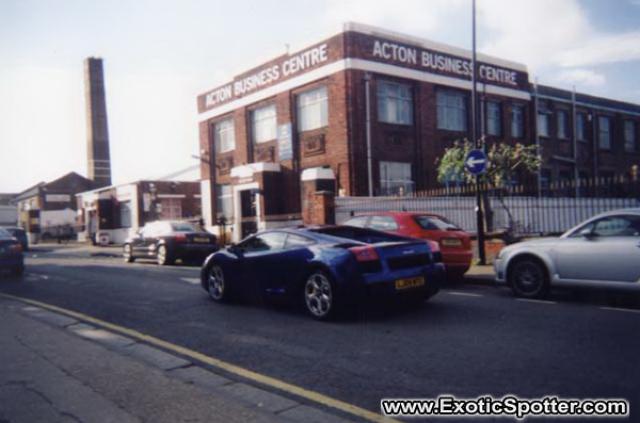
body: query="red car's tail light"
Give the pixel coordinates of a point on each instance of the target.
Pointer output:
(365, 253)
(180, 238)
(16, 248)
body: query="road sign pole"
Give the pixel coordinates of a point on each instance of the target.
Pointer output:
(476, 138)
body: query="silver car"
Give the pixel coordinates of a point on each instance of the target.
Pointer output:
(602, 252)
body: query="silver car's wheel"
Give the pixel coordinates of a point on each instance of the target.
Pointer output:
(127, 253)
(528, 279)
(216, 284)
(318, 295)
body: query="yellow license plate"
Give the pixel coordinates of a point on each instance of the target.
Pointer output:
(200, 239)
(451, 242)
(409, 283)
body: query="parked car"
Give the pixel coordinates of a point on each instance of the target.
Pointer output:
(11, 257)
(168, 241)
(454, 243)
(19, 234)
(326, 269)
(603, 251)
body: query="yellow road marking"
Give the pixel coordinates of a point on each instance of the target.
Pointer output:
(215, 362)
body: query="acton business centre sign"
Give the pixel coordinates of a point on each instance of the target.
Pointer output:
(287, 68)
(432, 61)
(439, 60)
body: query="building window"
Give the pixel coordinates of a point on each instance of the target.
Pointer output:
(452, 110)
(313, 109)
(561, 119)
(395, 103)
(604, 132)
(224, 201)
(580, 127)
(494, 118)
(263, 123)
(171, 208)
(517, 121)
(125, 214)
(543, 124)
(225, 136)
(629, 136)
(395, 178)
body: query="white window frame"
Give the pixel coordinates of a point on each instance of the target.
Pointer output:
(543, 130)
(602, 133)
(224, 135)
(264, 124)
(517, 121)
(224, 198)
(395, 103)
(581, 127)
(392, 180)
(630, 136)
(313, 109)
(451, 110)
(494, 118)
(170, 208)
(562, 124)
(125, 222)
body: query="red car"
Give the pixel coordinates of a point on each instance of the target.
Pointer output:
(454, 243)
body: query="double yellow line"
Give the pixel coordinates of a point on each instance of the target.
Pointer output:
(215, 362)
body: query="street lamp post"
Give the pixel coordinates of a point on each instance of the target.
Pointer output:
(476, 138)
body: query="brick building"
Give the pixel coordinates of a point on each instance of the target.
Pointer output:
(118, 211)
(47, 208)
(367, 111)
(584, 136)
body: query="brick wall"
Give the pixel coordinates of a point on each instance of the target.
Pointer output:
(326, 146)
(420, 143)
(589, 154)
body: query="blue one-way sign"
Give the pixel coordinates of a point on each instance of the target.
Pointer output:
(476, 162)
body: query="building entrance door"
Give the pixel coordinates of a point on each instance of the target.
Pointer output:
(92, 225)
(248, 213)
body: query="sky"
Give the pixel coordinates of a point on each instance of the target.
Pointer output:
(159, 55)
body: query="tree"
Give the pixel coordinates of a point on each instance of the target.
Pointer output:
(506, 161)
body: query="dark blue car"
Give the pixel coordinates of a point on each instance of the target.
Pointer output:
(19, 234)
(326, 269)
(11, 257)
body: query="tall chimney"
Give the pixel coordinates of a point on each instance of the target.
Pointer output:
(98, 158)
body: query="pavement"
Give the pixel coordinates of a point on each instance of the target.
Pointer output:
(74, 249)
(480, 274)
(58, 369)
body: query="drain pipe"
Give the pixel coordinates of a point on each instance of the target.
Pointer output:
(367, 80)
(536, 111)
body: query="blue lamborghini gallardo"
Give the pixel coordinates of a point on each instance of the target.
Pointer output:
(326, 269)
